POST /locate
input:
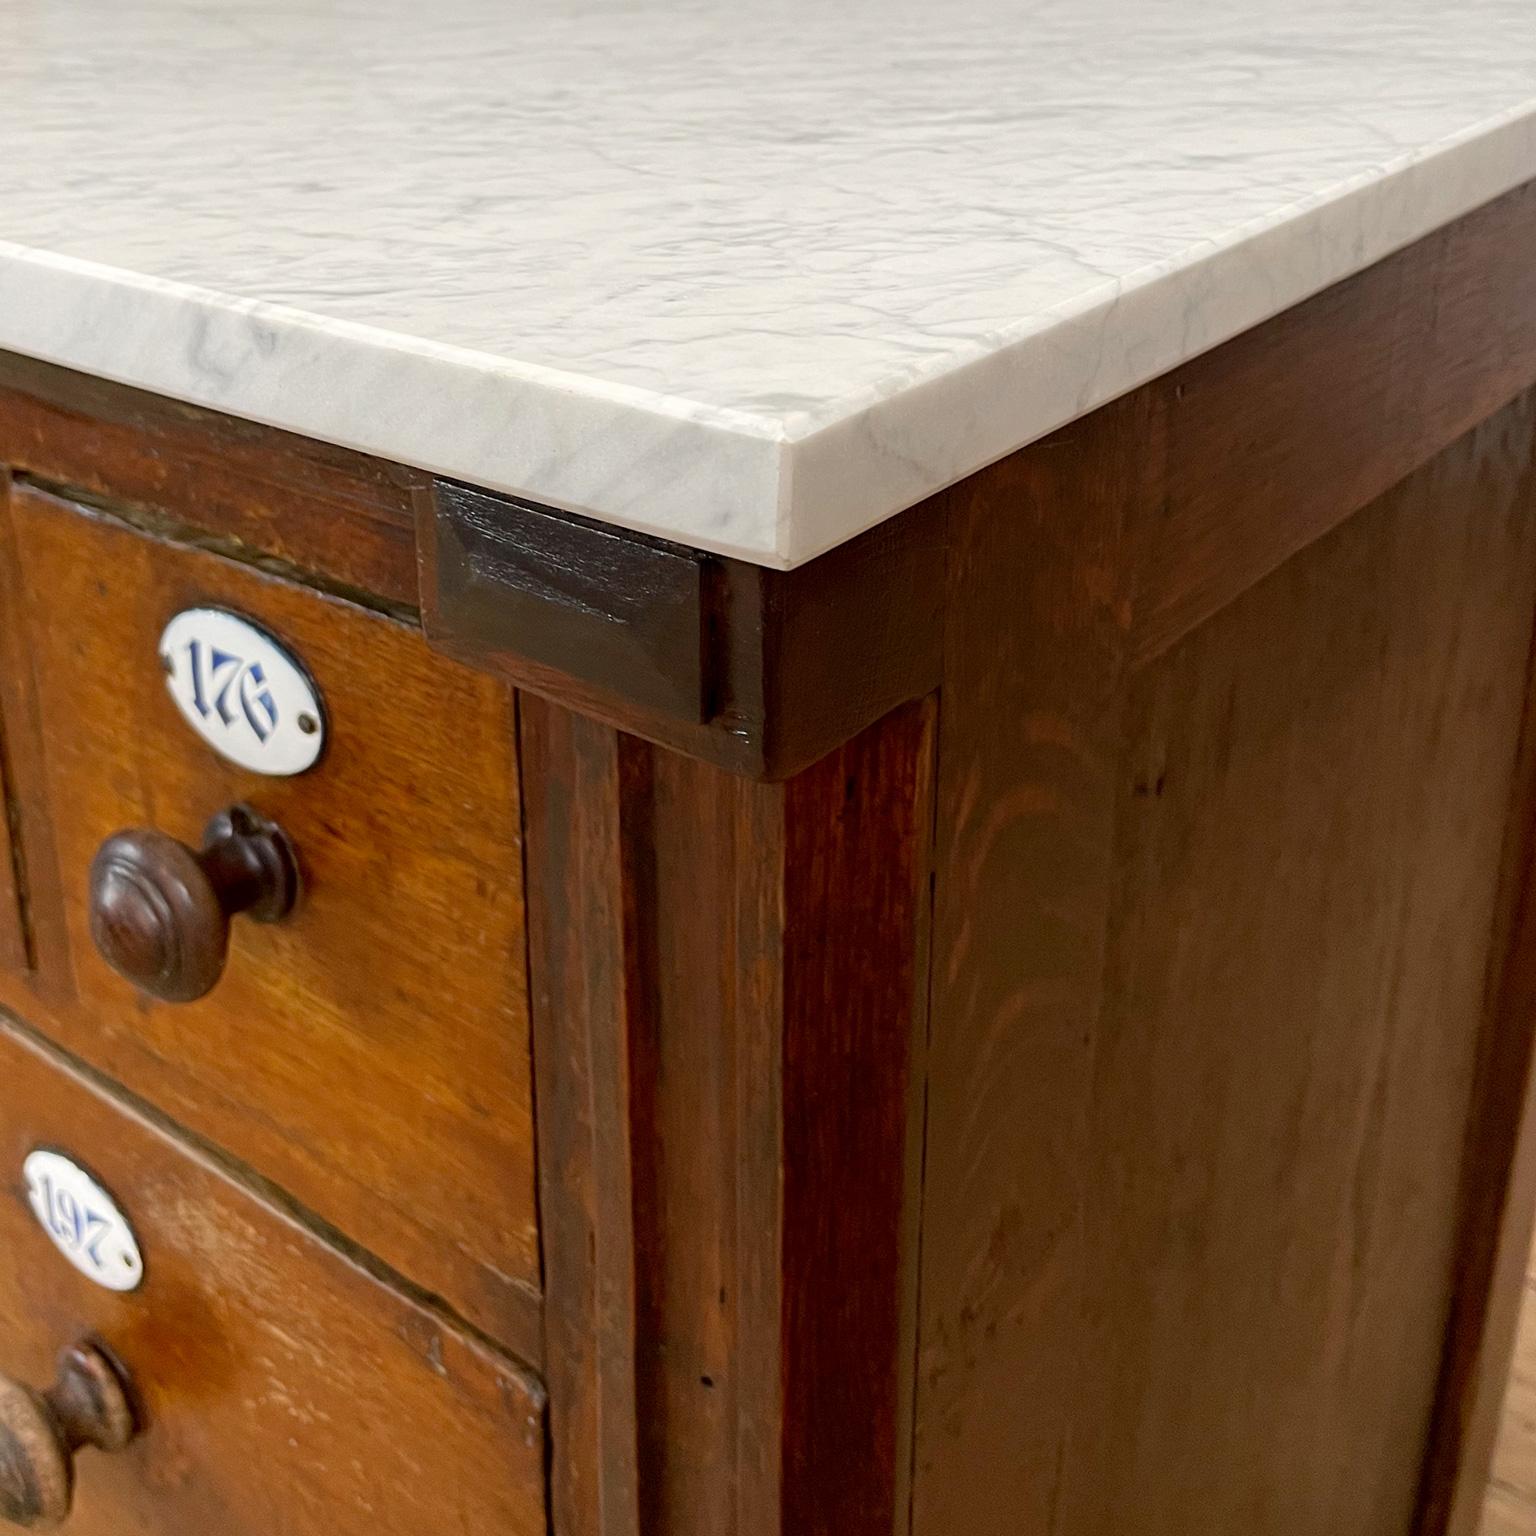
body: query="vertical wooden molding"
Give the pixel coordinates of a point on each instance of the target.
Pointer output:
(729, 986)
(1038, 642)
(31, 907)
(581, 1012)
(1498, 1177)
(855, 875)
(16, 944)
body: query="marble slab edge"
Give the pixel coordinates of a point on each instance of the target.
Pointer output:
(775, 492)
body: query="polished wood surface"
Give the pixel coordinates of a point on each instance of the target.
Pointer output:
(1028, 754)
(1208, 1217)
(729, 1007)
(1499, 1175)
(370, 1054)
(1278, 436)
(331, 517)
(160, 911)
(282, 1386)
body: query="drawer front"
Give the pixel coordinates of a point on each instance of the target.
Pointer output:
(370, 1054)
(280, 1387)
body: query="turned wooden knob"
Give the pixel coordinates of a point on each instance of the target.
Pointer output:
(41, 1431)
(160, 911)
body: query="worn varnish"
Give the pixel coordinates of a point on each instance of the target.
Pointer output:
(729, 1007)
(1498, 1180)
(1310, 825)
(328, 514)
(370, 1054)
(281, 1387)
(1028, 763)
(1210, 1212)
(1416, 351)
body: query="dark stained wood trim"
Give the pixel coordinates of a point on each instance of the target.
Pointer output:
(1287, 430)
(566, 594)
(341, 519)
(729, 1015)
(854, 1032)
(760, 671)
(582, 1003)
(44, 972)
(1498, 1178)
(17, 947)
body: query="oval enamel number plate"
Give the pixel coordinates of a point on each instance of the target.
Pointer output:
(83, 1221)
(242, 692)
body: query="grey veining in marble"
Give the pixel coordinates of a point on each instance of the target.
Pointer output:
(749, 276)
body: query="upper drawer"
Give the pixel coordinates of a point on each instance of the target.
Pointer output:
(370, 1054)
(280, 1387)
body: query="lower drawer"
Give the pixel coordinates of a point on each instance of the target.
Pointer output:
(281, 1387)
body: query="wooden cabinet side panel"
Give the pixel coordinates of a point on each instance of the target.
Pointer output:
(1311, 818)
(1190, 1239)
(1498, 1189)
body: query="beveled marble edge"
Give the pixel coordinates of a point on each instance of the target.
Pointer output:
(889, 453)
(773, 492)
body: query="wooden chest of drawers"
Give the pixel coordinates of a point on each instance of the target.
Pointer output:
(1019, 1027)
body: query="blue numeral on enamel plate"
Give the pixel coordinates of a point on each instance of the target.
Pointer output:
(82, 1220)
(221, 680)
(242, 691)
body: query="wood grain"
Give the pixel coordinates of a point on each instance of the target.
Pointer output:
(370, 1054)
(1029, 755)
(1416, 351)
(332, 514)
(729, 1045)
(16, 945)
(45, 976)
(758, 671)
(567, 594)
(583, 1004)
(1210, 948)
(1311, 820)
(1498, 1178)
(281, 1388)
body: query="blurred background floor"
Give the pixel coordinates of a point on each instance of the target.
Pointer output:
(1510, 1507)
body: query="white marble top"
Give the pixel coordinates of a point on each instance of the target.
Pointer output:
(749, 276)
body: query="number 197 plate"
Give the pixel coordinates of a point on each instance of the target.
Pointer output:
(83, 1221)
